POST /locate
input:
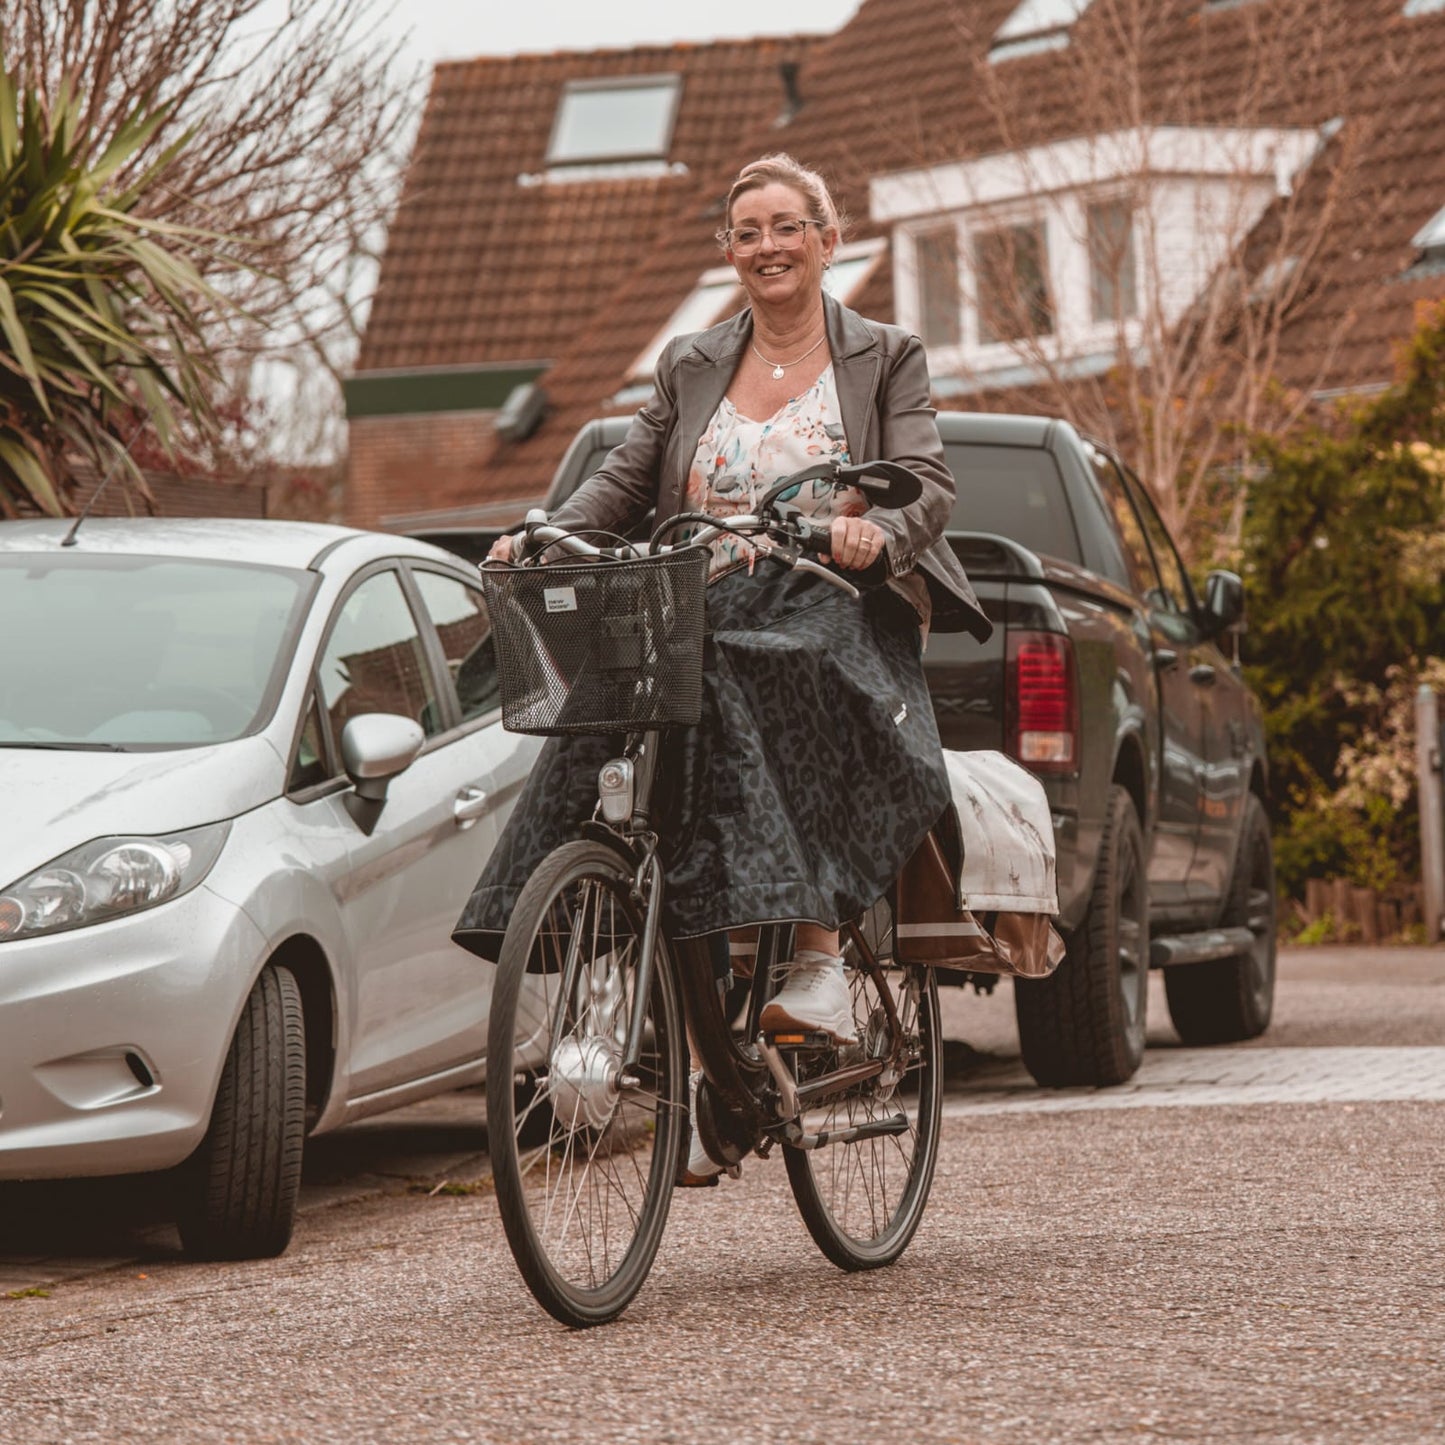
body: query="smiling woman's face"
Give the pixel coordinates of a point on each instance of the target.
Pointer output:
(775, 278)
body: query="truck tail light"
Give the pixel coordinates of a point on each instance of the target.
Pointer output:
(1043, 727)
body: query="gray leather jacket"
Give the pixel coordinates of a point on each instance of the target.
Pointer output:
(881, 376)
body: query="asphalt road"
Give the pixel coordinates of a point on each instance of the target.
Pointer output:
(1241, 1245)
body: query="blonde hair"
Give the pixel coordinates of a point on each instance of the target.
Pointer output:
(782, 169)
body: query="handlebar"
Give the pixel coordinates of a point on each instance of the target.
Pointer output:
(888, 485)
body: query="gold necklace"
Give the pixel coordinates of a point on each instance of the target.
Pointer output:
(779, 365)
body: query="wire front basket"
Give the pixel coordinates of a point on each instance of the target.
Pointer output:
(599, 647)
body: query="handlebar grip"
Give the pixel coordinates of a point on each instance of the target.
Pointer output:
(816, 537)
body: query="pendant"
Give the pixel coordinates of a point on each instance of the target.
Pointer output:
(777, 373)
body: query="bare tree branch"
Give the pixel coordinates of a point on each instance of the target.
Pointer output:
(299, 120)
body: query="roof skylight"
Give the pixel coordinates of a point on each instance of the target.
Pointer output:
(614, 120)
(1423, 7)
(1035, 25)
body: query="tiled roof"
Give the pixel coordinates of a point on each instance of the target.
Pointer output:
(484, 262)
(906, 84)
(1368, 290)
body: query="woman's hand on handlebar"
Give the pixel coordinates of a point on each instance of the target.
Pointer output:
(505, 547)
(855, 542)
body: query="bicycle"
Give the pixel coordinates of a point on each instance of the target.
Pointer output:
(587, 1072)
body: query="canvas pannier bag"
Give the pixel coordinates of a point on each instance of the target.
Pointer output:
(981, 891)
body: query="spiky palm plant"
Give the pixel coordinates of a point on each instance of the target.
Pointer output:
(100, 331)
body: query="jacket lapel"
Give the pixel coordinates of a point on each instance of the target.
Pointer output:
(703, 374)
(857, 359)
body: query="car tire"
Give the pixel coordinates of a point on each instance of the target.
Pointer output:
(1085, 1023)
(236, 1195)
(1230, 999)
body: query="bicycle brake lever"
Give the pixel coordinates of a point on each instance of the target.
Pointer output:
(822, 571)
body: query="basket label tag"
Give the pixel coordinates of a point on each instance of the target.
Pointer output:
(560, 599)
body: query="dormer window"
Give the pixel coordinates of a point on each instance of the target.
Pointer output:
(1036, 25)
(600, 121)
(1009, 264)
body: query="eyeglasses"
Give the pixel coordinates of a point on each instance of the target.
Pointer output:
(787, 236)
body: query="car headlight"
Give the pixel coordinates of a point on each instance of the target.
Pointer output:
(108, 878)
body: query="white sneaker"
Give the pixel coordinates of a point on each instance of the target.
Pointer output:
(814, 998)
(702, 1168)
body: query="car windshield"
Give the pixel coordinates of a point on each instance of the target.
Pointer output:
(140, 652)
(1014, 492)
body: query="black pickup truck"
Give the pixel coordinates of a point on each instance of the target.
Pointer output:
(1110, 679)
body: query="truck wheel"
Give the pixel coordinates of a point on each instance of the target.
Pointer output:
(1084, 1024)
(1229, 999)
(236, 1195)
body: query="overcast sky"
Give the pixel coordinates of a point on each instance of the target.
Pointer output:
(456, 29)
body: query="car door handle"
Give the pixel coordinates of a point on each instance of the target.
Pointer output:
(1203, 673)
(1165, 658)
(469, 805)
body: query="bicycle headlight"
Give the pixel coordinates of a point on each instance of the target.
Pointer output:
(614, 790)
(108, 878)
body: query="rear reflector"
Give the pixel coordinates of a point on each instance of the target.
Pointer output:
(1043, 698)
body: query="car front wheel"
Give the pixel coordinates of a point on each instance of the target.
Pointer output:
(236, 1195)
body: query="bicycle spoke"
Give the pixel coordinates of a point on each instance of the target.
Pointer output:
(862, 1199)
(584, 1209)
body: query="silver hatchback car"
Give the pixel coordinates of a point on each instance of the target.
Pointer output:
(249, 773)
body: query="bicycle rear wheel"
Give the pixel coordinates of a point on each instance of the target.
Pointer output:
(863, 1200)
(583, 1162)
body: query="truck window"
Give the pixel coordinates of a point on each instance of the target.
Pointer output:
(1126, 521)
(588, 467)
(1171, 569)
(1016, 492)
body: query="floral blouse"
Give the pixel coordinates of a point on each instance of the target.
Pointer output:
(738, 459)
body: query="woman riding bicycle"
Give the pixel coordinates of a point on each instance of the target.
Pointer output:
(816, 768)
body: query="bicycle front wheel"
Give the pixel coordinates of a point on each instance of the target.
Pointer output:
(862, 1200)
(584, 1154)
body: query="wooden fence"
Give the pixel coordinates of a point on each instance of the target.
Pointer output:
(1340, 911)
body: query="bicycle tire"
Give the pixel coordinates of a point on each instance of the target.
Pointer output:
(562, 997)
(863, 1201)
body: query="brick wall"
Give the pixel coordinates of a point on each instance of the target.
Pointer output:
(172, 496)
(401, 465)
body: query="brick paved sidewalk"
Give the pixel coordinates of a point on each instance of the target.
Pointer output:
(1197, 1078)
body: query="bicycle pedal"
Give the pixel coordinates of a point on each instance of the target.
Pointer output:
(801, 1039)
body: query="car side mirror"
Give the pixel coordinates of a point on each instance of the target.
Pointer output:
(1223, 603)
(375, 748)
